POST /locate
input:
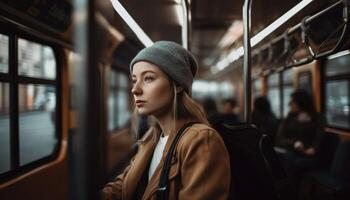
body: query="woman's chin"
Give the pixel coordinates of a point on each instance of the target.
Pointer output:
(143, 112)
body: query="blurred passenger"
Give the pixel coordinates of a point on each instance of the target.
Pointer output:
(300, 134)
(263, 117)
(229, 106)
(210, 108)
(162, 76)
(229, 112)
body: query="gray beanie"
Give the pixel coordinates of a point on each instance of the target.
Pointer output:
(177, 62)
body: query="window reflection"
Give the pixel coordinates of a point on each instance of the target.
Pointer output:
(5, 160)
(36, 60)
(4, 53)
(337, 103)
(37, 105)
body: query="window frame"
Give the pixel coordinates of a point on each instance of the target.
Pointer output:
(14, 80)
(333, 78)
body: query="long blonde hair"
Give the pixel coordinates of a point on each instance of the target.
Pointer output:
(184, 107)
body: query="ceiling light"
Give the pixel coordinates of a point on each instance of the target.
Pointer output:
(143, 37)
(233, 33)
(272, 27)
(237, 53)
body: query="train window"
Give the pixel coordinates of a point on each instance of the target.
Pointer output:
(118, 100)
(304, 81)
(35, 60)
(274, 94)
(272, 80)
(336, 88)
(288, 77)
(112, 101)
(36, 122)
(123, 81)
(28, 99)
(338, 65)
(5, 159)
(287, 89)
(337, 103)
(4, 53)
(257, 87)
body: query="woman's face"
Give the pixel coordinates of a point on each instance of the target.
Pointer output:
(293, 106)
(152, 90)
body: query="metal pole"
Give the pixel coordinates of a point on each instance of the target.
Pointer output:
(85, 142)
(247, 60)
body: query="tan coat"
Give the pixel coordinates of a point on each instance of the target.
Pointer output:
(200, 169)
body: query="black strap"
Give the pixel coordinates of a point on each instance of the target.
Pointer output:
(163, 190)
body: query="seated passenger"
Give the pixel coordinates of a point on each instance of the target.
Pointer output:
(210, 108)
(300, 134)
(229, 112)
(228, 116)
(263, 117)
(162, 76)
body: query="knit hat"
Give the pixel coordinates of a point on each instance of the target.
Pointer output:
(177, 62)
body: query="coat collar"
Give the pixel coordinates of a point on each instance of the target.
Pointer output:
(141, 163)
(154, 181)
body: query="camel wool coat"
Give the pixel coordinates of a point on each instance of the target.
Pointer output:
(200, 169)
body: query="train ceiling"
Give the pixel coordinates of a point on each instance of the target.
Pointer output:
(216, 26)
(212, 20)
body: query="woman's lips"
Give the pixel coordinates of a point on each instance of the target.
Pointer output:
(139, 103)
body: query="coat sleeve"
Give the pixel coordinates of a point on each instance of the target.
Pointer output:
(113, 190)
(205, 168)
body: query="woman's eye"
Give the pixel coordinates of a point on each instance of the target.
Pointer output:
(133, 82)
(149, 79)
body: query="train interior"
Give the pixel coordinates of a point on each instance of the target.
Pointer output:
(67, 120)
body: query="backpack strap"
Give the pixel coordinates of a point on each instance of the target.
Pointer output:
(163, 190)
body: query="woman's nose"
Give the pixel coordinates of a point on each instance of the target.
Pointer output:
(136, 89)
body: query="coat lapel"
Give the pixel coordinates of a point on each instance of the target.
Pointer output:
(137, 170)
(154, 181)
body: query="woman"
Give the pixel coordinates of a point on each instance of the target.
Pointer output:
(302, 130)
(300, 134)
(162, 76)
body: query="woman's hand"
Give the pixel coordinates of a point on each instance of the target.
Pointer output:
(298, 145)
(309, 151)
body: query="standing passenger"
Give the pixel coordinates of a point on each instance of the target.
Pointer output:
(162, 76)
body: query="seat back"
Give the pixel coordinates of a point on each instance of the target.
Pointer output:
(341, 162)
(255, 167)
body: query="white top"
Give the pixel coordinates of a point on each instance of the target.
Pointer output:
(157, 156)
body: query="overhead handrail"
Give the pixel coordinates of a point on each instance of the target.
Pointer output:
(315, 53)
(286, 49)
(343, 37)
(304, 44)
